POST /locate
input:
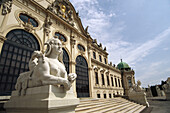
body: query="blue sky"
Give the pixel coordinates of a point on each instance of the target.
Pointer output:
(138, 31)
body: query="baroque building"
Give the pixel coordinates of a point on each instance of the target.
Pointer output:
(25, 26)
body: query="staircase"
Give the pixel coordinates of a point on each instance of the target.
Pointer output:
(115, 105)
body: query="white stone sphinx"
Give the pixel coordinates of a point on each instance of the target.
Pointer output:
(166, 88)
(46, 88)
(137, 94)
(46, 69)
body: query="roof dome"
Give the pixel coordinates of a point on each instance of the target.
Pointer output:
(123, 65)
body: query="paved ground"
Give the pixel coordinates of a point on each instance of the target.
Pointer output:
(158, 105)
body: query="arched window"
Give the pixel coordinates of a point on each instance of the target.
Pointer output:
(66, 60)
(60, 37)
(103, 82)
(27, 19)
(82, 80)
(15, 55)
(116, 82)
(97, 78)
(129, 82)
(108, 81)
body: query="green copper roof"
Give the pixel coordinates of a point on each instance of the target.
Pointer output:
(122, 65)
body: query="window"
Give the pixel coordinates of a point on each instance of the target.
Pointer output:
(112, 81)
(104, 95)
(105, 61)
(110, 96)
(103, 83)
(98, 95)
(130, 82)
(100, 58)
(27, 19)
(119, 82)
(97, 79)
(94, 55)
(80, 47)
(116, 81)
(60, 37)
(108, 82)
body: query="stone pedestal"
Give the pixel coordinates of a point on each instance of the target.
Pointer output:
(44, 99)
(139, 97)
(167, 93)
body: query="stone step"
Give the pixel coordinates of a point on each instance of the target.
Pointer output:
(118, 108)
(129, 108)
(134, 109)
(96, 105)
(107, 107)
(115, 105)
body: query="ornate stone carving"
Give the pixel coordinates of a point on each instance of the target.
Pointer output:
(86, 31)
(6, 6)
(136, 88)
(2, 39)
(62, 9)
(28, 26)
(46, 69)
(72, 41)
(166, 86)
(47, 25)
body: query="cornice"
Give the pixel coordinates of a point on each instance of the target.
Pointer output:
(105, 65)
(99, 49)
(109, 88)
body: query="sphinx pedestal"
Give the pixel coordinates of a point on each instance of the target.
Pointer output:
(44, 99)
(139, 97)
(167, 94)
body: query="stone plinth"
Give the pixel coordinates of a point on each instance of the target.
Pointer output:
(139, 97)
(44, 99)
(167, 93)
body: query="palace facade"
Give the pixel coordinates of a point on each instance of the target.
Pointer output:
(25, 25)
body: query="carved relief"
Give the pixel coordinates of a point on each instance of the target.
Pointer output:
(6, 6)
(62, 9)
(47, 25)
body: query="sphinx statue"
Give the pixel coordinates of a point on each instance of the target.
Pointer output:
(137, 93)
(46, 69)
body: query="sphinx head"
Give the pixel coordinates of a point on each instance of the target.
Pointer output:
(54, 46)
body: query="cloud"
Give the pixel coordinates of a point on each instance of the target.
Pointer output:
(93, 16)
(133, 52)
(152, 74)
(102, 28)
(166, 49)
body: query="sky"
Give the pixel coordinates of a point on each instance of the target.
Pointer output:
(137, 31)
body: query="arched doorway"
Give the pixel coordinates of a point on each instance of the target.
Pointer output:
(66, 60)
(82, 80)
(15, 55)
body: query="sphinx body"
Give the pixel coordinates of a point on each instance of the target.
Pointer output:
(46, 69)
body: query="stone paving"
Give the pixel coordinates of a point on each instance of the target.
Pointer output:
(158, 105)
